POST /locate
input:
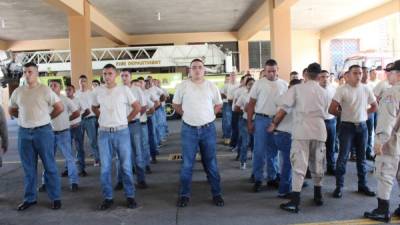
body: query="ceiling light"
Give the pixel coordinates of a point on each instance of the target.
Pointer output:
(158, 16)
(3, 23)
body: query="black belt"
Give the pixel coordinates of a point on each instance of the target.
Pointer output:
(199, 127)
(34, 128)
(60, 131)
(264, 115)
(89, 117)
(355, 124)
(133, 121)
(143, 123)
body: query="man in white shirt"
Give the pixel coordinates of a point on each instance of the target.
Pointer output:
(226, 112)
(158, 127)
(110, 104)
(163, 116)
(135, 133)
(32, 104)
(230, 89)
(263, 96)
(77, 132)
(198, 100)
(308, 102)
(330, 124)
(370, 121)
(89, 120)
(353, 102)
(152, 122)
(62, 135)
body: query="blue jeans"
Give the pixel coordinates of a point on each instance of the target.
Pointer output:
(330, 142)
(349, 134)
(370, 127)
(235, 130)
(135, 131)
(264, 146)
(245, 137)
(63, 143)
(164, 124)
(194, 139)
(77, 140)
(226, 120)
(152, 137)
(283, 141)
(89, 126)
(158, 127)
(118, 141)
(145, 144)
(31, 144)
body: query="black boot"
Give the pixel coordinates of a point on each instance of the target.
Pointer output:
(381, 213)
(318, 196)
(397, 212)
(293, 205)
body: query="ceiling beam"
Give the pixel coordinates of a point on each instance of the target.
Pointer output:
(255, 23)
(284, 3)
(100, 23)
(361, 19)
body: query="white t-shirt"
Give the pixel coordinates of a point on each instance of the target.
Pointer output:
(381, 87)
(113, 103)
(230, 88)
(237, 93)
(77, 102)
(242, 101)
(86, 99)
(149, 104)
(34, 105)
(62, 122)
(198, 101)
(266, 93)
(354, 102)
(331, 90)
(139, 95)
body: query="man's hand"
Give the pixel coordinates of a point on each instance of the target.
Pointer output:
(378, 149)
(271, 128)
(250, 127)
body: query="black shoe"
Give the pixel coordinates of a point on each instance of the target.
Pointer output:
(305, 184)
(257, 186)
(381, 213)
(330, 171)
(148, 170)
(74, 187)
(142, 185)
(318, 200)
(131, 203)
(83, 173)
(154, 161)
(182, 202)
(273, 183)
(42, 188)
(56, 204)
(25, 205)
(106, 204)
(370, 157)
(337, 193)
(293, 205)
(397, 212)
(252, 179)
(119, 186)
(64, 173)
(218, 201)
(366, 191)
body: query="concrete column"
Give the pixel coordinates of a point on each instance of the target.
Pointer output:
(281, 38)
(324, 54)
(244, 64)
(79, 43)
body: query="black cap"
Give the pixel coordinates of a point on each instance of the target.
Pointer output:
(394, 66)
(388, 66)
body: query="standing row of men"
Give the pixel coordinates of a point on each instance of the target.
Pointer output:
(114, 117)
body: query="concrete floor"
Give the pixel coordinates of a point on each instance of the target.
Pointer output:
(157, 203)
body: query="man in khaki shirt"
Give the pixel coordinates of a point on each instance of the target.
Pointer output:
(308, 102)
(387, 148)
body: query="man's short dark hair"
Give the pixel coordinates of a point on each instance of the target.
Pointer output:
(313, 70)
(364, 68)
(71, 86)
(250, 79)
(83, 76)
(140, 78)
(126, 70)
(325, 71)
(271, 62)
(294, 73)
(355, 66)
(30, 64)
(372, 70)
(96, 81)
(110, 66)
(227, 75)
(134, 81)
(294, 82)
(56, 81)
(197, 60)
